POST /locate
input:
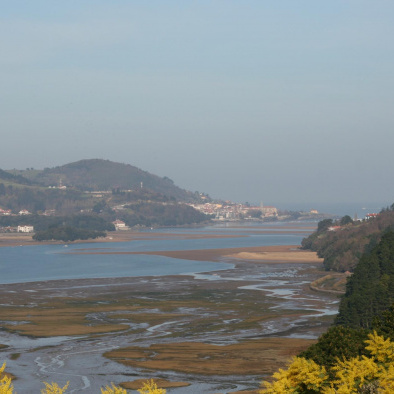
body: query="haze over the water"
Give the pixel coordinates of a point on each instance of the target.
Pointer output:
(280, 101)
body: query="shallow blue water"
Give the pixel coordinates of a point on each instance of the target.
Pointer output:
(53, 262)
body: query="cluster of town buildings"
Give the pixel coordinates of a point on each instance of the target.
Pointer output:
(26, 228)
(232, 211)
(8, 212)
(19, 229)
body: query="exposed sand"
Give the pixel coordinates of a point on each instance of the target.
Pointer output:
(286, 255)
(274, 254)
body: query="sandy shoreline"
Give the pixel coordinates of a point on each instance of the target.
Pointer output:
(21, 239)
(265, 254)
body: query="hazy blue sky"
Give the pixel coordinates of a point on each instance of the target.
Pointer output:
(248, 100)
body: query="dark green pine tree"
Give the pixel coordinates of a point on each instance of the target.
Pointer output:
(370, 290)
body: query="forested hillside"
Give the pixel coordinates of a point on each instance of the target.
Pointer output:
(370, 290)
(39, 199)
(97, 174)
(58, 201)
(357, 354)
(341, 243)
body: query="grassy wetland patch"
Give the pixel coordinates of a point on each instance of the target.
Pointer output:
(197, 309)
(245, 321)
(246, 357)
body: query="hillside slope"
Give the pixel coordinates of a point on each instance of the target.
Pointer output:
(342, 243)
(98, 174)
(11, 178)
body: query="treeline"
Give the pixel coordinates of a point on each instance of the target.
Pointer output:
(370, 290)
(343, 247)
(43, 223)
(67, 234)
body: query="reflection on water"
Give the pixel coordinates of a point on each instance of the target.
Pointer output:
(54, 262)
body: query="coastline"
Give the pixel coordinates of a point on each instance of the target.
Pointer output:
(22, 239)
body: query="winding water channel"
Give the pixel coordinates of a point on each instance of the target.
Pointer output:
(54, 271)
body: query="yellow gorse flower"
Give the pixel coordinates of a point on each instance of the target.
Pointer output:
(359, 374)
(150, 387)
(113, 390)
(54, 388)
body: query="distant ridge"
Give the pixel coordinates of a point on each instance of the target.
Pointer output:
(98, 174)
(6, 176)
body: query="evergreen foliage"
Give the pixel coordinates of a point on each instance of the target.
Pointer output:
(384, 323)
(67, 234)
(337, 343)
(370, 290)
(42, 223)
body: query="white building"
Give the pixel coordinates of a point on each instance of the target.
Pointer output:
(25, 229)
(120, 225)
(269, 211)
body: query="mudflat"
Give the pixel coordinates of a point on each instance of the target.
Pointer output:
(215, 329)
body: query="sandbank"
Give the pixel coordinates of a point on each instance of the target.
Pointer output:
(273, 254)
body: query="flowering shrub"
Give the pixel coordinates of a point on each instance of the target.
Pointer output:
(6, 387)
(363, 374)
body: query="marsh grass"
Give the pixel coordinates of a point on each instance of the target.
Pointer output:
(263, 356)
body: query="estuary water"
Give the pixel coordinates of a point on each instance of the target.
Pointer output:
(278, 292)
(23, 264)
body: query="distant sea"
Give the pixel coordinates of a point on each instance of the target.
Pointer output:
(341, 209)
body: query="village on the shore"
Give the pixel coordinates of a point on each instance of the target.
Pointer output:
(215, 211)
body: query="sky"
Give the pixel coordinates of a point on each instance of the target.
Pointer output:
(283, 102)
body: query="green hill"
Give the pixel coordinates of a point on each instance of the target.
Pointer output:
(98, 175)
(123, 192)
